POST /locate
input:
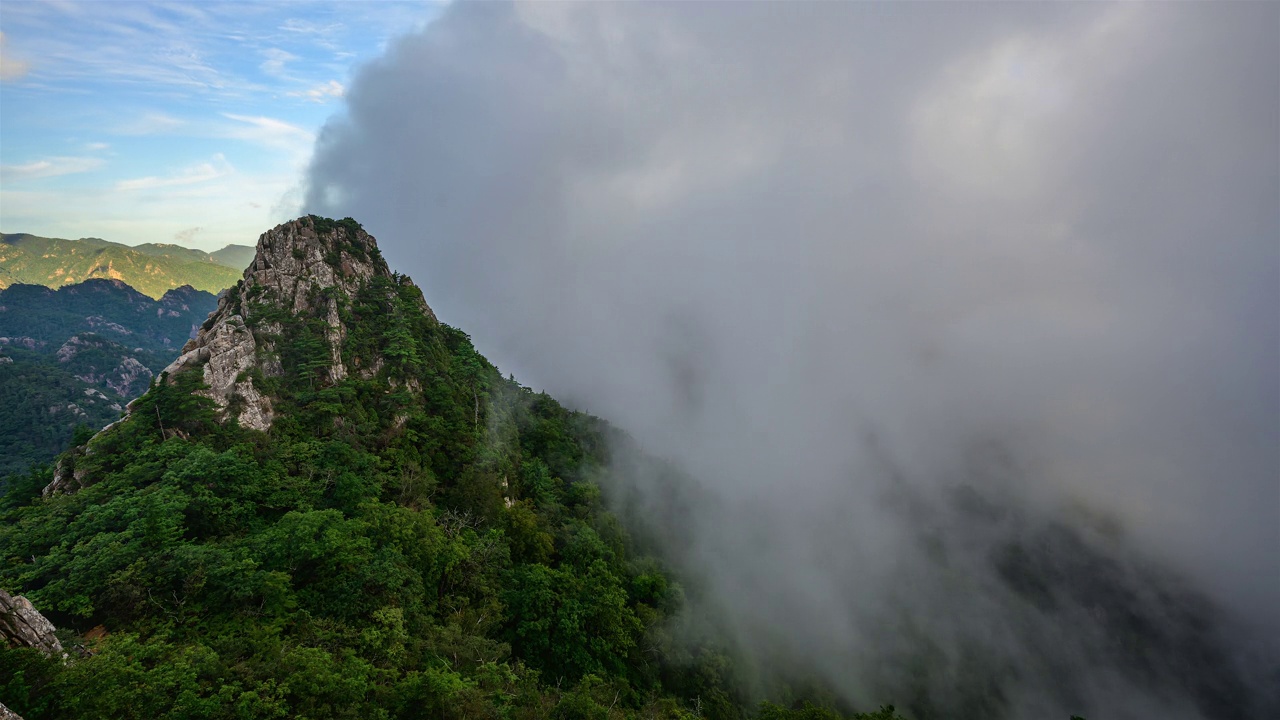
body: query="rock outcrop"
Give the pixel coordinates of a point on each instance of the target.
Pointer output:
(21, 625)
(129, 378)
(66, 477)
(22, 342)
(303, 267)
(232, 351)
(307, 268)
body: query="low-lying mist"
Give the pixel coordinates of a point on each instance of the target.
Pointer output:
(964, 318)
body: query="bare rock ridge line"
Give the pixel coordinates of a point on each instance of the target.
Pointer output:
(306, 267)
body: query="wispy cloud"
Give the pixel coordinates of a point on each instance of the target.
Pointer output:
(11, 68)
(323, 92)
(323, 34)
(276, 60)
(152, 80)
(49, 167)
(183, 237)
(271, 132)
(133, 46)
(204, 172)
(306, 27)
(152, 123)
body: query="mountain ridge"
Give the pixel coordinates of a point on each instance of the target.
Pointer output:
(77, 354)
(151, 268)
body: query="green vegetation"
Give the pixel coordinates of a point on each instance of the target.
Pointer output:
(422, 539)
(325, 225)
(153, 269)
(76, 355)
(44, 404)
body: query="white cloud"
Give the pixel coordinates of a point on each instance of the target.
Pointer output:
(322, 92)
(275, 62)
(49, 167)
(323, 35)
(203, 172)
(126, 73)
(154, 123)
(272, 133)
(306, 27)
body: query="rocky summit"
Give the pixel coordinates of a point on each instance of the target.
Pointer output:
(310, 267)
(282, 336)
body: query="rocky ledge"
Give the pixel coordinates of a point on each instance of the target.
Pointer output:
(21, 625)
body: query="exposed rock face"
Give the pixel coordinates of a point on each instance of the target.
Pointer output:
(24, 342)
(308, 267)
(303, 267)
(7, 714)
(294, 258)
(66, 477)
(232, 351)
(98, 322)
(129, 378)
(70, 348)
(22, 626)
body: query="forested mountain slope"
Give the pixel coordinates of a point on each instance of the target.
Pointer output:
(332, 506)
(234, 256)
(74, 356)
(153, 269)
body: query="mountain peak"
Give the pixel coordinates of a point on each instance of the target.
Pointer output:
(296, 258)
(308, 269)
(317, 307)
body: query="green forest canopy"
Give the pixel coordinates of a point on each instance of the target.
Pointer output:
(429, 542)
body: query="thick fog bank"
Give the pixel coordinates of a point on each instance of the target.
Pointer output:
(965, 316)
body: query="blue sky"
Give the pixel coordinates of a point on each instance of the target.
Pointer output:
(173, 122)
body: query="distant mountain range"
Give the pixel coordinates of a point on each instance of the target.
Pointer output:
(76, 355)
(152, 269)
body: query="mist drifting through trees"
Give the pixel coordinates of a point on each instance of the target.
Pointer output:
(963, 317)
